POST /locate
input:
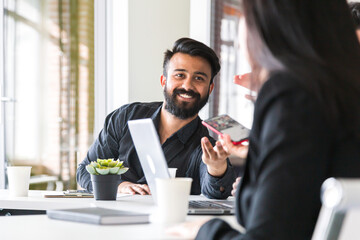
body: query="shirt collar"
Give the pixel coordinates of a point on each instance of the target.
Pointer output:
(184, 133)
(156, 117)
(188, 130)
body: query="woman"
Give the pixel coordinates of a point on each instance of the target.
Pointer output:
(306, 65)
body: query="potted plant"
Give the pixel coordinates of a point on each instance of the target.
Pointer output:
(105, 177)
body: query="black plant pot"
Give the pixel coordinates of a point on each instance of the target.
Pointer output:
(105, 186)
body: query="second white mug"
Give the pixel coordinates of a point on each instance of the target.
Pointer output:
(172, 199)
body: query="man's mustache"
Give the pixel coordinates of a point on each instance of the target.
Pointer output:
(189, 92)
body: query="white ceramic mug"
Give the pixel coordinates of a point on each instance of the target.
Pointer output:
(19, 177)
(172, 199)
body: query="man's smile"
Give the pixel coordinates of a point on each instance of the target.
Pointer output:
(186, 96)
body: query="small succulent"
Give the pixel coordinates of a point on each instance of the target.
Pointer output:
(106, 166)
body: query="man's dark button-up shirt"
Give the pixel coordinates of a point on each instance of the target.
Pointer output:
(182, 151)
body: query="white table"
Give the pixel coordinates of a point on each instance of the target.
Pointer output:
(41, 227)
(36, 201)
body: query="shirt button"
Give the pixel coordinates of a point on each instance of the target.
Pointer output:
(222, 189)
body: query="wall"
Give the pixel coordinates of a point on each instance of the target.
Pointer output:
(153, 27)
(150, 28)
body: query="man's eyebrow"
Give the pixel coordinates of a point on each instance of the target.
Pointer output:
(197, 72)
(180, 70)
(202, 73)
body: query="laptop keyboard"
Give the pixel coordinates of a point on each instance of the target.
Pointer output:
(208, 205)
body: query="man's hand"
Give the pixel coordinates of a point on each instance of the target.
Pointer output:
(132, 188)
(214, 157)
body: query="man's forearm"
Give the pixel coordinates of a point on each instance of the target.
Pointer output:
(217, 187)
(217, 171)
(83, 178)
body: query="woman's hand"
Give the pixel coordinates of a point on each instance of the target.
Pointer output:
(244, 81)
(187, 230)
(235, 184)
(239, 150)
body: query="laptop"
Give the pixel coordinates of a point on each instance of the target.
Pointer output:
(154, 165)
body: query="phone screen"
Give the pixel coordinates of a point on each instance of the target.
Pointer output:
(224, 124)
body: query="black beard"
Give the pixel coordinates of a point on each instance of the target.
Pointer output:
(184, 110)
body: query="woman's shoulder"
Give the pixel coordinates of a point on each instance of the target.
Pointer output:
(285, 93)
(280, 83)
(282, 80)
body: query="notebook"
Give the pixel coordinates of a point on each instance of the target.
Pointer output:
(96, 215)
(153, 162)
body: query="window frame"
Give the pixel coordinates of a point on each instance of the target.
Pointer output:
(2, 116)
(111, 67)
(101, 62)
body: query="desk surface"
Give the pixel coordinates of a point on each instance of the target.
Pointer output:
(36, 201)
(41, 227)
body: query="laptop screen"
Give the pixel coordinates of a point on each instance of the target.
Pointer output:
(149, 151)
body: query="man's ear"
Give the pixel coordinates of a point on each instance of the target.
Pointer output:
(211, 88)
(162, 80)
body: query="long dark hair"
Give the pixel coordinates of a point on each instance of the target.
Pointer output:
(314, 40)
(355, 13)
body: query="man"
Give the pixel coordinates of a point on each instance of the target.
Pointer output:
(187, 80)
(355, 14)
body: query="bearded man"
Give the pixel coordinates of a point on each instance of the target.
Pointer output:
(188, 73)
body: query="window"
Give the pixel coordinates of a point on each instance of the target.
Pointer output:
(48, 84)
(228, 97)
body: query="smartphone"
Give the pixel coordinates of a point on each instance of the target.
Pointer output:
(224, 124)
(79, 193)
(69, 194)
